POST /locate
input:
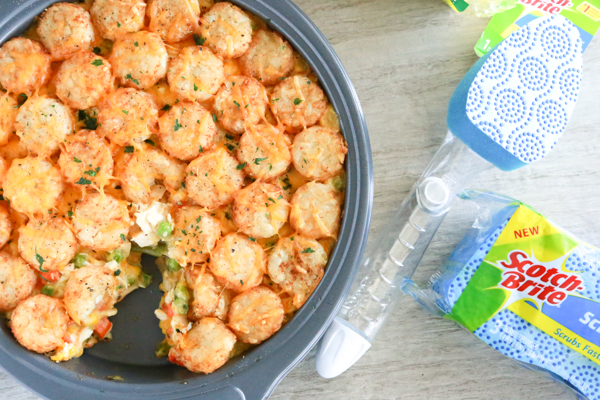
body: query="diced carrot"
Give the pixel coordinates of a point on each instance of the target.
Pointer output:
(103, 327)
(168, 309)
(51, 276)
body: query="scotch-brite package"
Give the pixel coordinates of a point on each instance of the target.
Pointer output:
(527, 288)
(585, 14)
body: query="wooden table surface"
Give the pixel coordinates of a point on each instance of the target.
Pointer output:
(405, 57)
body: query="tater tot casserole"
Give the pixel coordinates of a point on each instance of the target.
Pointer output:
(183, 129)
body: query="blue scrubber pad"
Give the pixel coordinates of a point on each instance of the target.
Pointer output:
(515, 102)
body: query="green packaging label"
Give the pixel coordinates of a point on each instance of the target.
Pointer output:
(585, 14)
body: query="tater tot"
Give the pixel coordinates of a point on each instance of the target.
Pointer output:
(196, 74)
(33, 186)
(47, 244)
(241, 102)
(205, 293)
(139, 59)
(86, 160)
(316, 211)
(297, 265)
(186, 130)
(205, 347)
(17, 281)
(6, 226)
(298, 102)
(65, 29)
(238, 262)
(116, 18)
(8, 115)
(175, 20)
(82, 80)
(39, 323)
(265, 151)
(213, 178)
(227, 30)
(195, 234)
(127, 115)
(101, 222)
(42, 124)
(260, 209)
(255, 315)
(90, 289)
(319, 153)
(268, 59)
(147, 173)
(25, 65)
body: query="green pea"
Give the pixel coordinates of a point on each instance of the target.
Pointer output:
(164, 229)
(173, 265)
(116, 255)
(181, 305)
(338, 183)
(79, 260)
(145, 280)
(162, 350)
(48, 290)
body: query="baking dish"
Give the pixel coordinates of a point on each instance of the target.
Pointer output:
(255, 374)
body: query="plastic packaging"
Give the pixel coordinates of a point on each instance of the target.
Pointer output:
(585, 14)
(481, 8)
(525, 287)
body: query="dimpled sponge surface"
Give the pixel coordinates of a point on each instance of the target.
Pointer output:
(514, 104)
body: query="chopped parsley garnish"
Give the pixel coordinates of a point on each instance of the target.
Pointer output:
(271, 199)
(230, 147)
(201, 149)
(251, 239)
(287, 182)
(195, 88)
(241, 282)
(130, 78)
(308, 250)
(199, 219)
(22, 98)
(97, 62)
(91, 123)
(150, 142)
(236, 104)
(83, 181)
(199, 40)
(136, 44)
(227, 215)
(259, 160)
(166, 108)
(128, 149)
(123, 237)
(70, 214)
(91, 172)
(240, 166)
(215, 118)
(177, 126)
(183, 185)
(125, 112)
(40, 260)
(297, 101)
(97, 50)
(228, 136)
(77, 160)
(117, 272)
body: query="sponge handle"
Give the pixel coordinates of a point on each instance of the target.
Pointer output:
(394, 252)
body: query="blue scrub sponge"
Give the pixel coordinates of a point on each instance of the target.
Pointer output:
(515, 102)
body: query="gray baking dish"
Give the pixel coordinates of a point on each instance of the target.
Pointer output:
(257, 372)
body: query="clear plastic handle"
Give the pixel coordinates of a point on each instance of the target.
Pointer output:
(395, 252)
